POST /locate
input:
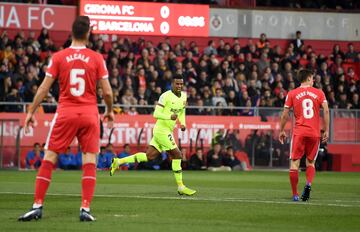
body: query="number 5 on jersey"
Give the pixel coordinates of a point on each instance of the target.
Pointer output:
(77, 82)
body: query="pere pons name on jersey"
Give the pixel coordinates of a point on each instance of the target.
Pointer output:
(306, 93)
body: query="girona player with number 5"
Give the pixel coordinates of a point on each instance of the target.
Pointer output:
(306, 102)
(78, 70)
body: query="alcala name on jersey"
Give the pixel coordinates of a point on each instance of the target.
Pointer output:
(77, 56)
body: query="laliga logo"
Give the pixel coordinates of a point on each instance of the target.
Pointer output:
(187, 21)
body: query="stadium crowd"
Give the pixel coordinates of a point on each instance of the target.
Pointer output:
(258, 73)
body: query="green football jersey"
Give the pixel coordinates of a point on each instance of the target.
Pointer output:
(169, 104)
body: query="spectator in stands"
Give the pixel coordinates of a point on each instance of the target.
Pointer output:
(210, 49)
(263, 42)
(262, 149)
(351, 54)
(263, 62)
(355, 103)
(298, 43)
(248, 111)
(233, 140)
(196, 161)
(126, 152)
(231, 160)
(215, 159)
(34, 157)
(68, 161)
(218, 98)
(337, 53)
(103, 159)
(5, 87)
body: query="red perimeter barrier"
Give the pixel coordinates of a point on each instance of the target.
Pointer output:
(137, 130)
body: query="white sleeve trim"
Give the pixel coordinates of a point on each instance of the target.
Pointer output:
(49, 74)
(105, 76)
(286, 106)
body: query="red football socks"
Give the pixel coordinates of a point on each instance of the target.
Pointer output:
(310, 173)
(42, 182)
(88, 184)
(294, 179)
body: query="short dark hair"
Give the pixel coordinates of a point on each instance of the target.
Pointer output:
(178, 77)
(81, 27)
(304, 74)
(298, 32)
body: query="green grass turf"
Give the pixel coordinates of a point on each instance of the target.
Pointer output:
(147, 201)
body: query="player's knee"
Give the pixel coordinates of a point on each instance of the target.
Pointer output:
(310, 162)
(294, 164)
(89, 158)
(51, 156)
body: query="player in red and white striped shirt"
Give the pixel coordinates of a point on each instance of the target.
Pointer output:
(306, 102)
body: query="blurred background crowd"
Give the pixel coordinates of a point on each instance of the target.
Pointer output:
(224, 74)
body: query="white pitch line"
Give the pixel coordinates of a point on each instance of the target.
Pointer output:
(245, 200)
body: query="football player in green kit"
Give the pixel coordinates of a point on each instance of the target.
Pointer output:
(170, 108)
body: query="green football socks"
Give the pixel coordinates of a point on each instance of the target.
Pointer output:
(176, 167)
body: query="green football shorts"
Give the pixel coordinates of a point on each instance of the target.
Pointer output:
(163, 141)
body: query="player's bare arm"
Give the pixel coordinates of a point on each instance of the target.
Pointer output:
(283, 120)
(325, 135)
(42, 91)
(108, 98)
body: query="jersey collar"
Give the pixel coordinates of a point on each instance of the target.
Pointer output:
(79, 47)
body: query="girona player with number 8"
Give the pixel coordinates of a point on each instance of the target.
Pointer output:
(78, 70)
(306, 102)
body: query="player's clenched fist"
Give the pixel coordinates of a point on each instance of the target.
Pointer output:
(183, 128)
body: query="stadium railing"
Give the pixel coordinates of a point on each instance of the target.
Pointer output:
(262, 146)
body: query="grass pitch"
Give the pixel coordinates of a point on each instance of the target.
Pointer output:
(148, 201)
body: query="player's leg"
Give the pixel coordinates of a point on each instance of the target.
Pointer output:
(311, 148)
(42, 183)
(88, 136)
(176, 156)
(294, 178)
(296, 152)
(60, 135)
(152, 152)
(88, 183)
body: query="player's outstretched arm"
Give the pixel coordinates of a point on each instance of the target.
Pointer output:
(42, 91)
(326, 121)
(283, 120)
